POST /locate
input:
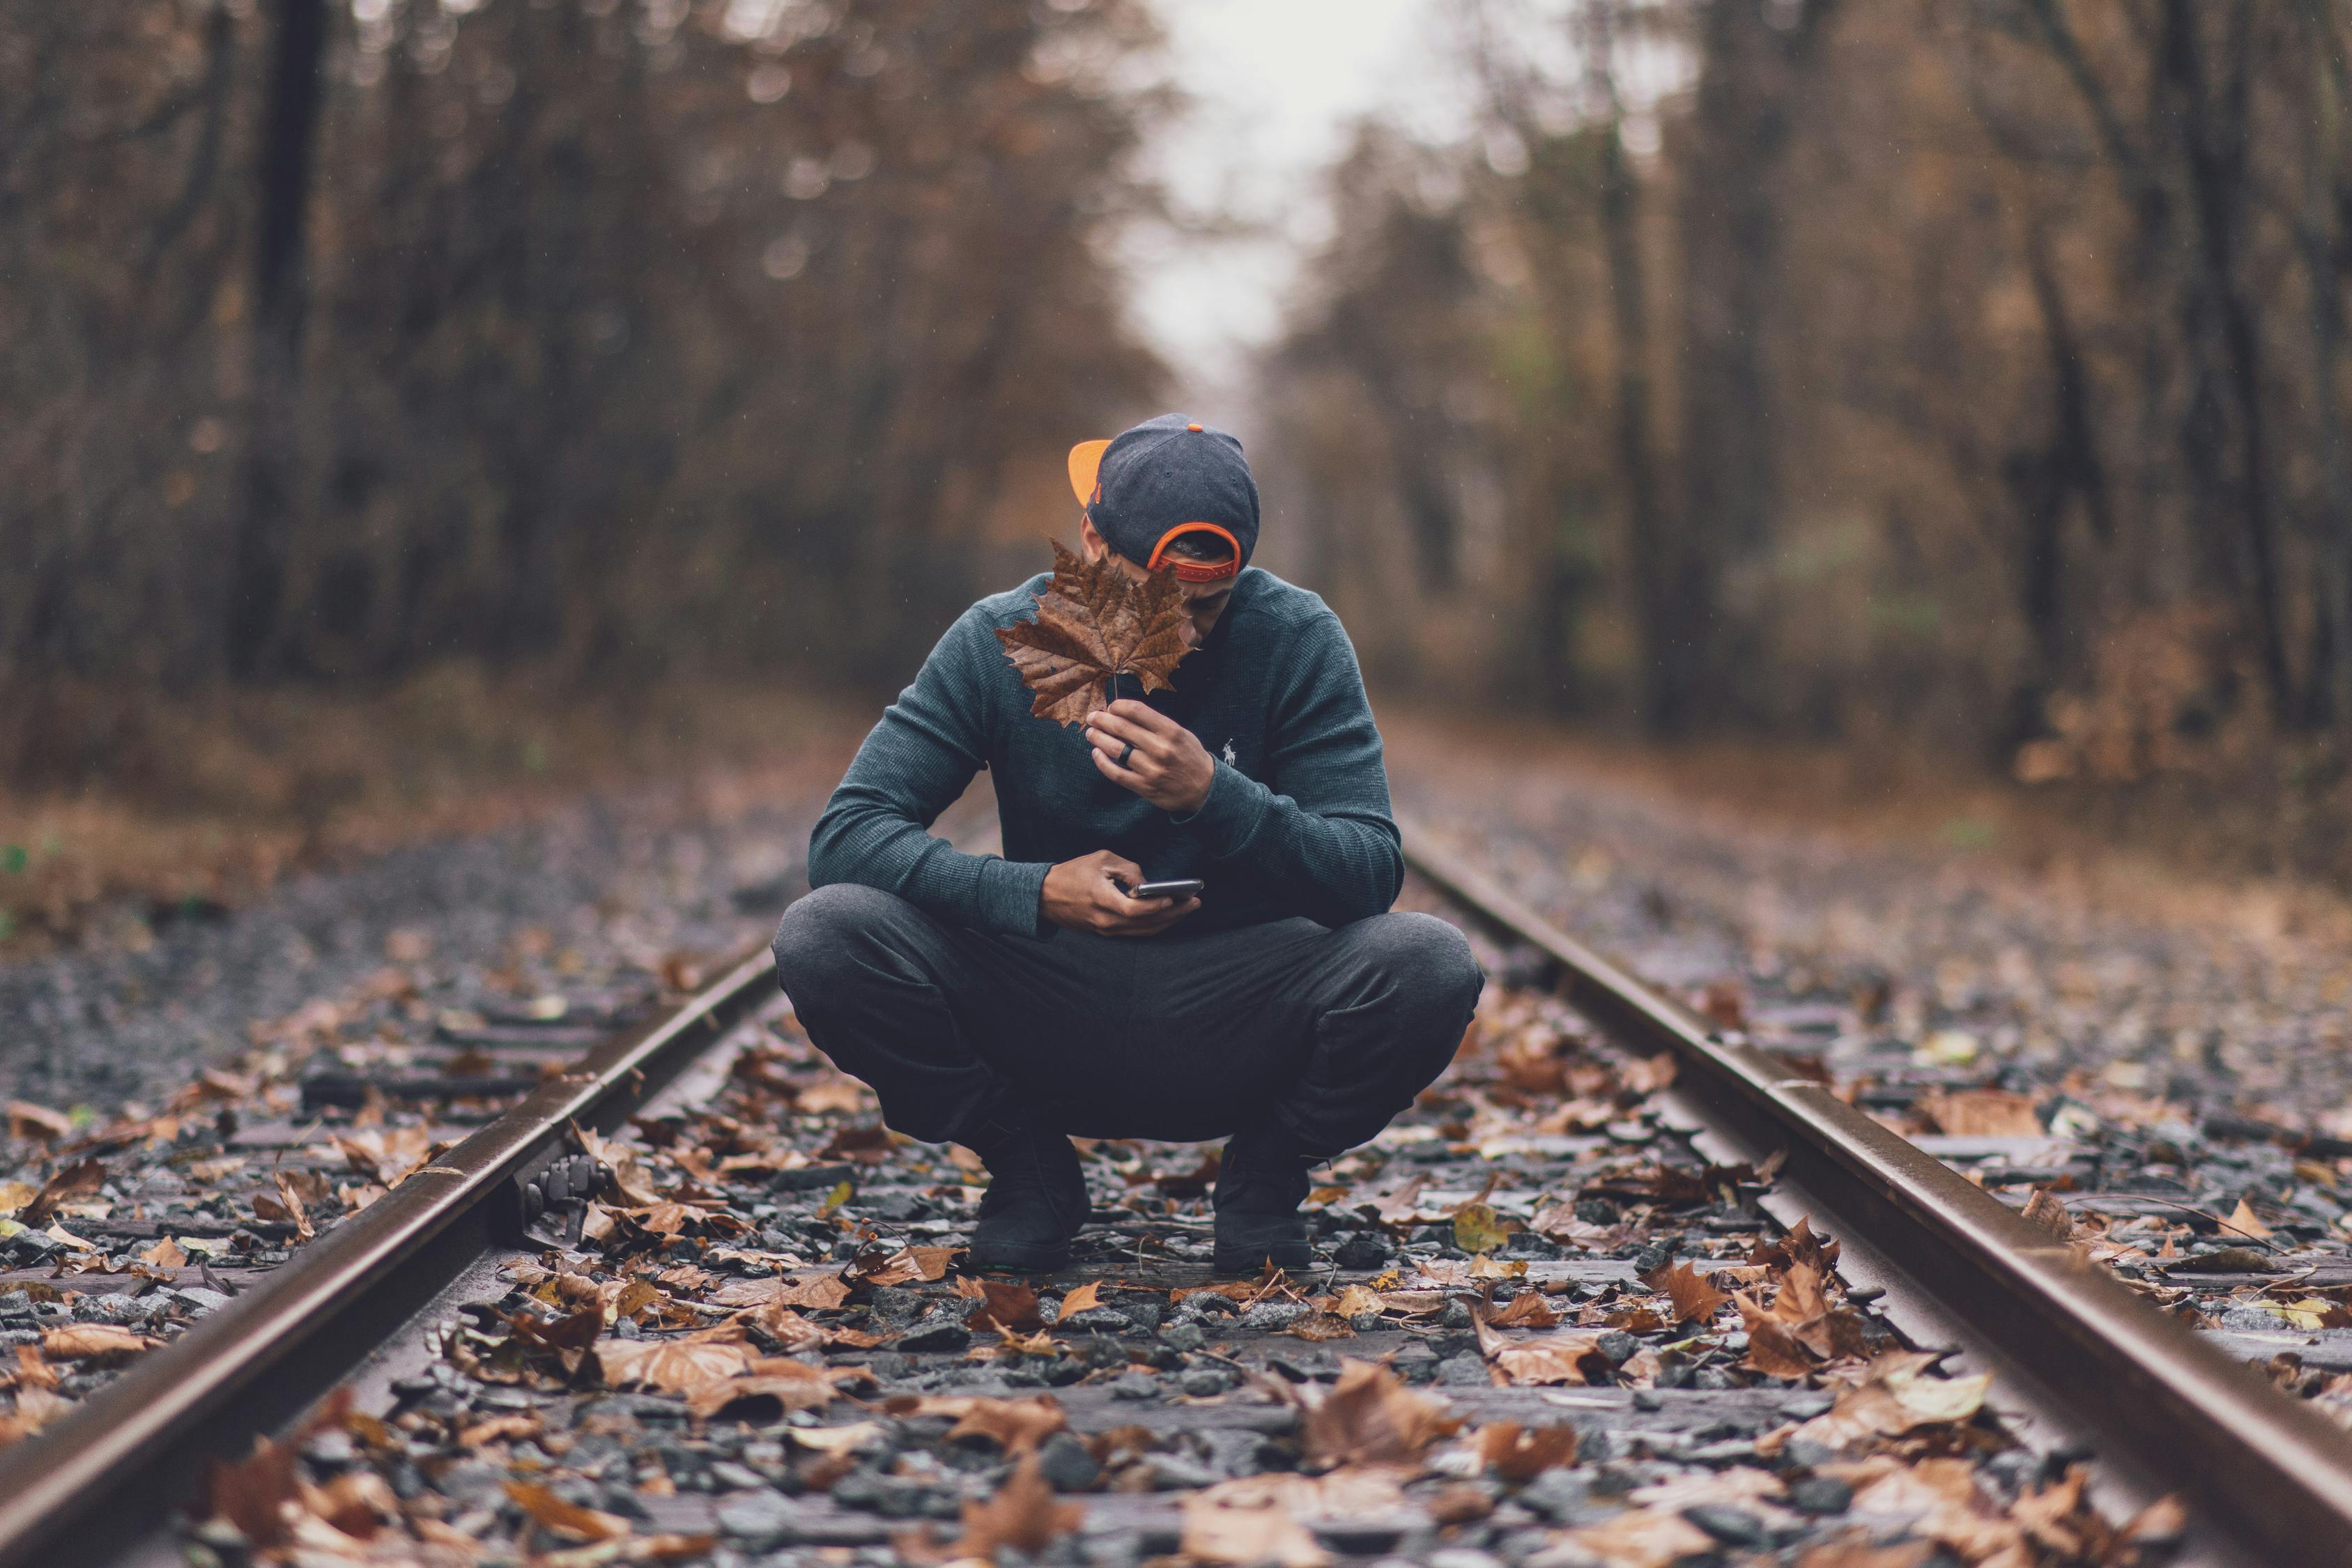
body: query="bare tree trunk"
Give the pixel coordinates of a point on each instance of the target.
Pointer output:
(1665, 629)
(1751, 55)
(280, 289)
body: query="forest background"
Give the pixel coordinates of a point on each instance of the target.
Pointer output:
(1960, 381)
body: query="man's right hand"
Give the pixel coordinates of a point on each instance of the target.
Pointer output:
(1080, 896)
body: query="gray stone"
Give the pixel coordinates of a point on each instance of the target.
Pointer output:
(1268, 1315)
(1820, 1494)
(1066, 1463)
(761, 1518)
(1463, 1372)
(1732, 1526)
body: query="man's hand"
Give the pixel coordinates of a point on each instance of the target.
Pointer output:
(1079, 895)
(1169, 767)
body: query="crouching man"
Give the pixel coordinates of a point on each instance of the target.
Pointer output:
(1007, 1003)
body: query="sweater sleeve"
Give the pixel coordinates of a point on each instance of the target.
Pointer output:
(911, 766)
(1325, 828)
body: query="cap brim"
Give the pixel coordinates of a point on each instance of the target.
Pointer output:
(1085, 461)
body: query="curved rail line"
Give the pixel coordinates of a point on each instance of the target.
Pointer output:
(2270, 1471)
(116, 1467)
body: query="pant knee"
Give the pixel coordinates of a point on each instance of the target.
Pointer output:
(1425, 962)
(820, 941)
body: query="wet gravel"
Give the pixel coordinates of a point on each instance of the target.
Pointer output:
(1542, 1329)
(124, 1020)
(2169, 1094)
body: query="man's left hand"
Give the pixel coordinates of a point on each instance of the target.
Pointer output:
(1169, 767)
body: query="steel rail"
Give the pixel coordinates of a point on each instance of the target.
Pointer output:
(115, 1467)
(2270, 1471)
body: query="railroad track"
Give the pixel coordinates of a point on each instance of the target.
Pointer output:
(2073, 1353)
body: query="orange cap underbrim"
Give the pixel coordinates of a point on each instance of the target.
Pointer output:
(1086, 462)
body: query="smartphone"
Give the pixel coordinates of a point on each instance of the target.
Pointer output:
(1175, 887)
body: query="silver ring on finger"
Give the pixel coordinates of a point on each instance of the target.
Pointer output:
(1124, 755)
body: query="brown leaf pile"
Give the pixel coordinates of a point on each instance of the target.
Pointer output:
(1095, 622)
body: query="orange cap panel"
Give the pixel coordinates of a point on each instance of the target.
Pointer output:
(1086, 460)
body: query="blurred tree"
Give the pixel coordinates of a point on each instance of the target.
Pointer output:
(1962, 371)
(349, 336)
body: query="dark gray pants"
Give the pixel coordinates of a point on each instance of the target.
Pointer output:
(1328, 1034)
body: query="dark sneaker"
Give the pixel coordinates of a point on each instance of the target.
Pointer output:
(1261, 1182)
(1036, 1200)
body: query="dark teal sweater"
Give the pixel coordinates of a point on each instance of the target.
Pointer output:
(1296, 823)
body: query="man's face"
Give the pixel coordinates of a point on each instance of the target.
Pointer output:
(1204, 602)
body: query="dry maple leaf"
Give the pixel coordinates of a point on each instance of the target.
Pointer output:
(1552, 1358)
(684, 1366)
(1095, 622)
(2045, 1212)
(1248, 1521)
(1696, 1300)
(1005, 1306)
(1085, 1299)
(1642, 1538)
(1983, 1113)
(792, 1385)
(166, 1254)
(1520, 1454)
(93, 1342)
(79, 1180)
(566, 1517)
(1370, 1417)
(1016, 1425)
(1895, 1396)
(1023, 1514)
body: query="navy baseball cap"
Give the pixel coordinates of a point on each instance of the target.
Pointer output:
(1149, 485)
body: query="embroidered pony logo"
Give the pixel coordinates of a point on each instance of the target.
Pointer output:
(1230, 761)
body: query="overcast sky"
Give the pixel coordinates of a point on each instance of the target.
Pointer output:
(1277, 85)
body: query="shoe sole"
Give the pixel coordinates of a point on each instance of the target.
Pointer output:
(1021, 1260)
(1250, 1260)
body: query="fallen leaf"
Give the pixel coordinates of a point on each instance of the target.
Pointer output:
(1085, 1298)
(2244, 1221)
(1773, 1347)
(38, 1122)
(1894, 1397)
(835, 1439)
(1321, 1328)
(1016, 1425)
(31, 1371)
(1370, 1417)
(685, 1366)
(500, 1429)
(1023, 1514)
(165, 1254)
(1858, 1553)
(1006, 1305)
(1093, 622)
(15, 1196)
(1528, 1310)
(2047, 1213)
(1982, 1113)
(1554, 1358)
(1249, 1521)
(1642, 1538)
(1520, 1454)
(792, 1385)
(1477, 1228)
(78, 1180)
(93, 1342)
(254, 1493)
(565, 1517)
(1696, 1300)
(1354, 1300)
(912, 1264)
